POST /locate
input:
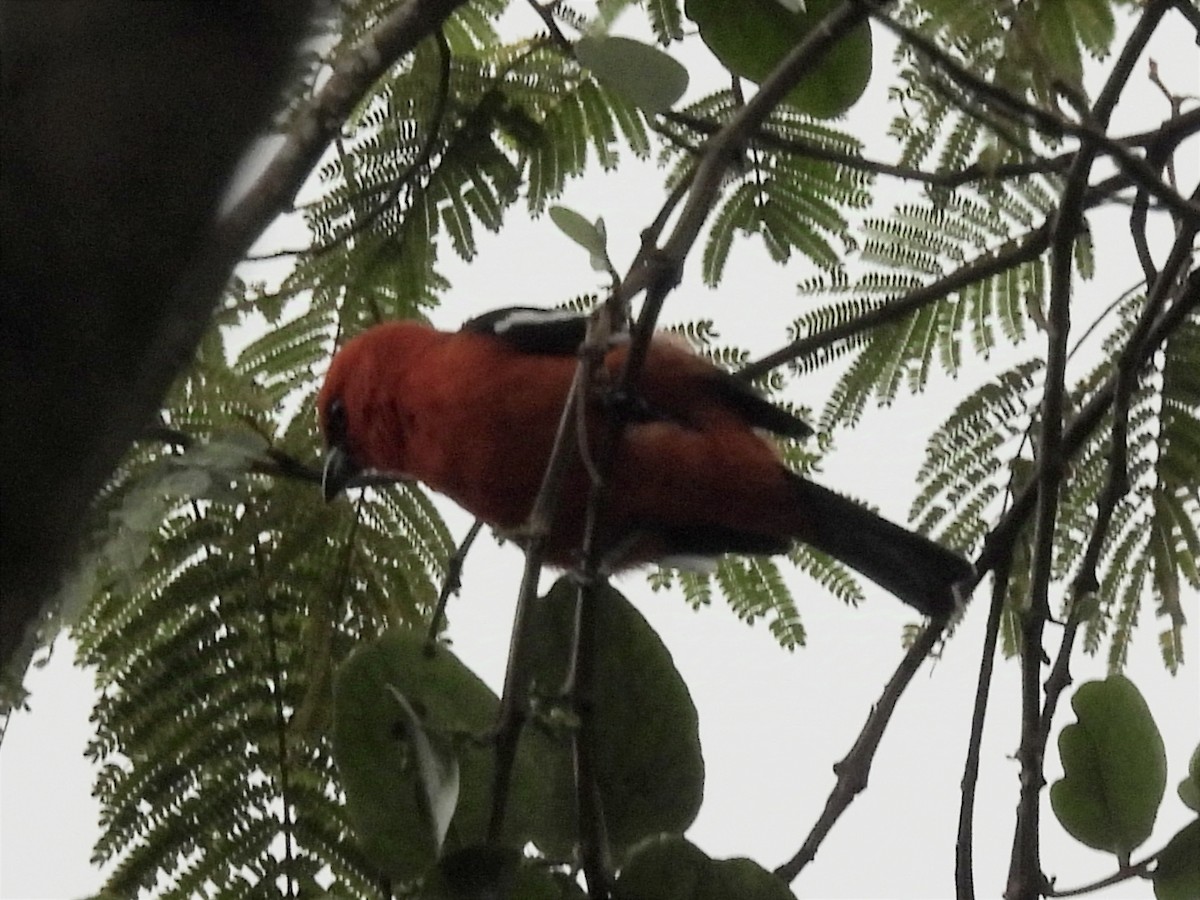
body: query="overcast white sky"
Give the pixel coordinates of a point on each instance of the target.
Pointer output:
(773, 723)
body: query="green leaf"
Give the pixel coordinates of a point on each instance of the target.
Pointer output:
(646, 76)
(386, 784)
(591, 236)
(1177, 875)
(751, 38)
(649, 769)
(673, 869)
(1115, 768)
(1189, 788)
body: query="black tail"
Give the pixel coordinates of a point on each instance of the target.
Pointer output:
(902, 562)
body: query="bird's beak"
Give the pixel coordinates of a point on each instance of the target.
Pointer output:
(339, 469)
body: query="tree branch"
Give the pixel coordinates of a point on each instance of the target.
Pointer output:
(659, 273)
(317, 122)
(853, 770)
(1018, 108)
(1025, 878)
(964, 864)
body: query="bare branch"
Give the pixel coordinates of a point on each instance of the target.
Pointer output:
(853, 770)
(1025, 878)
(964, 864)
(1018, 108)
(451, 584)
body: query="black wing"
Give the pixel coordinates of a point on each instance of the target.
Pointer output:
(559, 332)
(757, 410)
(529, 329)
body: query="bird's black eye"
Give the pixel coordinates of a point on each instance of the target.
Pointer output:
(336, 424)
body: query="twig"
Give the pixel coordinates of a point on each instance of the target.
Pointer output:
(1134, 870)
(660, 271)
(451, 584)
(545, 12)
(1029, 247)
(1025, 878)
(964, 865)
(593, 832)
(1089, 417)
(949, 179)
(852, 771)
(274, 463)
(513, 703)
(1018, 108)
(318, 121)
(1189, 11)
(1026, 250)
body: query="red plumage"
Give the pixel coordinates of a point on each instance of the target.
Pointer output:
(474, 417)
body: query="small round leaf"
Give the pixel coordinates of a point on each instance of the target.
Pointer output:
(647, 76)
(1114, 768)
(752, 37)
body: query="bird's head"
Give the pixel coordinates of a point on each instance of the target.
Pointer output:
(337, 412)
(358, 403)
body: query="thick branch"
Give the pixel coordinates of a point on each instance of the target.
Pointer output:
(317, 122)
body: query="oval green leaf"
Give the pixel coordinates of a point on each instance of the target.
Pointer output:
(389, 789)
(649, 768)
(1114, 768)
(647, 76)
(752, 37)
(671, 868)
(591, 236)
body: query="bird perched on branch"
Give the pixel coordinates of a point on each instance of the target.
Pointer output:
(473, 414)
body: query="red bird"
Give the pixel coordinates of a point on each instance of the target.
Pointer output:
(473, 415)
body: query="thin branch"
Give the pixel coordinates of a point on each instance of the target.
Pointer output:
(451, 584)
(1134, 870)
(999, 540)
(964, 865)
(1189, 11)
(950, 179)
(513, 710)
(660, 271)
(1020, 109)
(1025, 878)
(582, 690)
(1129, 365)
(545, 12)
(1029, 248)
(319, 120)
(274, 463)
(853, 770)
